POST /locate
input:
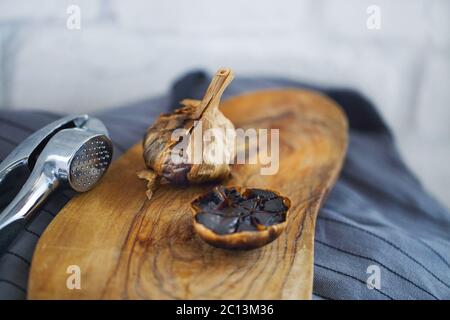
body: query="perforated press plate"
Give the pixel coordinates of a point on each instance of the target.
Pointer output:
(90, 163)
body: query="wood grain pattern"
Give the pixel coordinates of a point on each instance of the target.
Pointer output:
(129, 247)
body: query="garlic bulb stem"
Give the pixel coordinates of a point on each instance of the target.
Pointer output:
(219, 83)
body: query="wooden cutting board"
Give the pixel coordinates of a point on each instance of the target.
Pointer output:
(129, 247)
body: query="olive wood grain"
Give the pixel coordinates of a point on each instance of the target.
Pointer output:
(129, 247)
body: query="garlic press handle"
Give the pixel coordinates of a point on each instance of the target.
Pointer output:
(35, 190)
(21, 154)
(32, 194)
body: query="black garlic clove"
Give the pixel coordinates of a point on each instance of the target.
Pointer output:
(237, 218)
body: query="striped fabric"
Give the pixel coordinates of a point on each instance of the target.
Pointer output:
(377, 216)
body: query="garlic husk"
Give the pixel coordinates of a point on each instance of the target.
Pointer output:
(194, 118)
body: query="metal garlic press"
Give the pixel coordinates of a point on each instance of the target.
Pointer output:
(74, 152)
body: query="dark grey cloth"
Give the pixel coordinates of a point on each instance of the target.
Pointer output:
(378, 214)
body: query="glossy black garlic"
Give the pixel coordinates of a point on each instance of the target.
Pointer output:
(226, 210)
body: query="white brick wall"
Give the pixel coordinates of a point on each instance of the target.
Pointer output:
(439, 24)
(433, 114)
(202, 17)
(130, 50)
(47, 11)
(84, 70)
(401, 20)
